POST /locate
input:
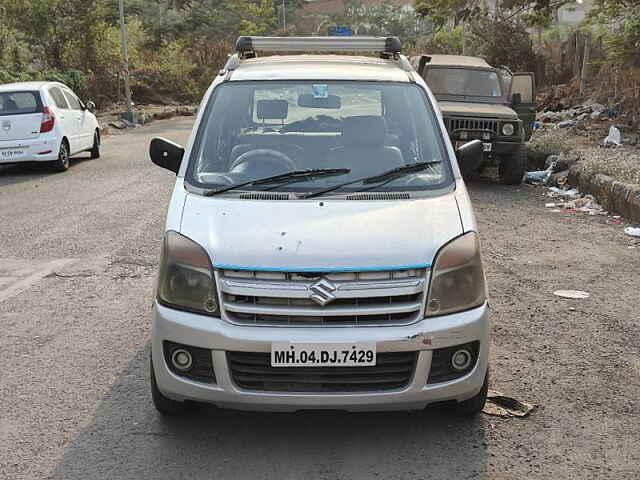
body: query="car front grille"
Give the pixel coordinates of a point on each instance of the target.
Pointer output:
(253, 371)
(354, 298)
(474, 124)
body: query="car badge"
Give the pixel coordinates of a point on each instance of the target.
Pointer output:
(321, 292)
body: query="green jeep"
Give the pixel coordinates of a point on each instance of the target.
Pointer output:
(481, 102)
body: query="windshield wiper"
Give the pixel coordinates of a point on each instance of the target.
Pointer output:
(288, 177)
(381, 177)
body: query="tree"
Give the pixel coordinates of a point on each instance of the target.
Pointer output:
(530, 12)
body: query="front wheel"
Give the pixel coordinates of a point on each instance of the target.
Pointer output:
(62, 163)
(475, 404)
(164, 405)
(95, 150)
(513, 166)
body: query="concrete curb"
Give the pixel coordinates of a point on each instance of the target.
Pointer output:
(616, 197)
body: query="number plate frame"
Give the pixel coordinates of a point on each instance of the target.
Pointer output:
(352, 354)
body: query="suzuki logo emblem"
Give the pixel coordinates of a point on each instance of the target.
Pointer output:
(6, 125)
(322, 292)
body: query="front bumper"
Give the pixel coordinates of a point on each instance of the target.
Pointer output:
(424, 336)
(504, 148)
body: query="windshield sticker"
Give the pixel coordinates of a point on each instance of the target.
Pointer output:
(320, 90)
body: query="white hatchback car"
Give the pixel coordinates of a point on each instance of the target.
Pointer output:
(320, 250)
(45, 122)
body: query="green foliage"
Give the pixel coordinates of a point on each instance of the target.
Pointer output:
(618, 24)
(443, 42)
(380, 20)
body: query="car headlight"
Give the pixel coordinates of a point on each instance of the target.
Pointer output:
(508, 129)
(457, 277)
(186, 276)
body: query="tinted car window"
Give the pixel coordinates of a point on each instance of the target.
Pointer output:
(256, 129)
(58, 97)
(18, 103)
(73, 101)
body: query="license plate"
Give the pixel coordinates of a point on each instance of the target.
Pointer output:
(13, 153)
(486, 147)
(285, 354)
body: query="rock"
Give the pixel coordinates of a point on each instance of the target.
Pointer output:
(564, 161)
(536, 160)
(558, 179)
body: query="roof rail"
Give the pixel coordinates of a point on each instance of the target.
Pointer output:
(385, 46)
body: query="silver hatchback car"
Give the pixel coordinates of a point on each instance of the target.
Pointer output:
(320, 248)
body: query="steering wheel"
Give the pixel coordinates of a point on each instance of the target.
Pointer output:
(263, 156)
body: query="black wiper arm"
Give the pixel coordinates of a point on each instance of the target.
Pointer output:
(381, 177)
(288, 177)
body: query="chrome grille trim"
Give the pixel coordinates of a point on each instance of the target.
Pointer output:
(284, 298)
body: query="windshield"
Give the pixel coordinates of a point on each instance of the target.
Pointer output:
(253, 130)
(463, 81)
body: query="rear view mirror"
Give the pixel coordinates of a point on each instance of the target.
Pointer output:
(516, 99)
(309, 101)
(469, 156)
(272, 109)
(166, 154)
(91, 107)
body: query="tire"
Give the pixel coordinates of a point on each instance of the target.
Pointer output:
(512, 167)
(95, 150)
(475, 404)
(62, 163)
(164, 405)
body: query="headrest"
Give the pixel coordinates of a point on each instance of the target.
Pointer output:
(272, 109)
(364, 130)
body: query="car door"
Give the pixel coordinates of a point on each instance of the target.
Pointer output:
(64, 114)
(523, 100)
(81, 138)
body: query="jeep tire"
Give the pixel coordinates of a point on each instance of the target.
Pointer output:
(512, 166)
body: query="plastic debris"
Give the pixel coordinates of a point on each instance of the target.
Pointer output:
(566, 124)
(634, 232)
(540, 176)
(499, 405)
(614, 137)
(571, 193)
(573, 294)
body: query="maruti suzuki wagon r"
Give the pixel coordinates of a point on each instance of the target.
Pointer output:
(320, 250)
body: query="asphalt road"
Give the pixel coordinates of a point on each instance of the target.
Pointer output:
(78, 253)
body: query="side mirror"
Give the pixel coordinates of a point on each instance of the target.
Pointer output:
(516, 99)
(469, 156)
(91, 106)
(166, 154)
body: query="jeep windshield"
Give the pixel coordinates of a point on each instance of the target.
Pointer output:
(463, 81)
(258, 129)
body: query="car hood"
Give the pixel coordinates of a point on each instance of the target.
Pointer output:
(319, 235)
(485, 110)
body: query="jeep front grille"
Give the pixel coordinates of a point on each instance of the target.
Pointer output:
(475, 124)
(357, 299)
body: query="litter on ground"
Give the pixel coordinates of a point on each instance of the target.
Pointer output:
(499, 405)
(614, 137)
(573, 294)
(632, 231)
